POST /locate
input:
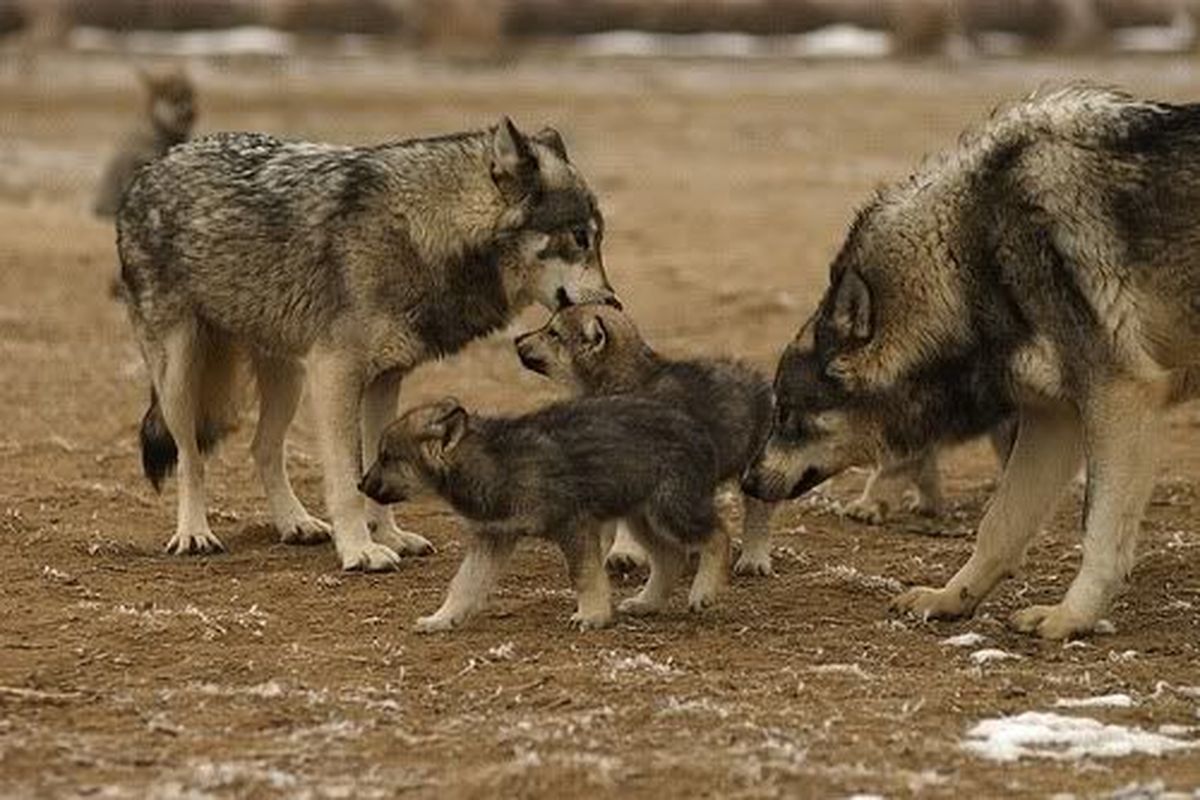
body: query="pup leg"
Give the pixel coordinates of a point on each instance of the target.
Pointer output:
(666, 565)
(881, 494)
(279, 385)
(1121, 433)
(625, 555)
(756, 538)
(713, 571)
(379, 406)
(927, 486)
(337, 387)
(1046, 454)
(179, 397)
(585, 564)
(487, 555)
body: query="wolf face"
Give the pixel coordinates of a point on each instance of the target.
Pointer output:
(581, 346)
(414, 452)
(172, 102)
(558, 225)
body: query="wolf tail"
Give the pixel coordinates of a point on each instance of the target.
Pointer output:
(159, 453)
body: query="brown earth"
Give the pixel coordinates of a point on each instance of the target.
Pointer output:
(268, 672)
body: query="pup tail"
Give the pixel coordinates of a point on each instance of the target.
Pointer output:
(159, 453)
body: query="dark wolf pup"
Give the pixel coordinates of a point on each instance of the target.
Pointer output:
(598, 350)
(167, 121)
(560, 473)
(355, 263)
(1050, 265)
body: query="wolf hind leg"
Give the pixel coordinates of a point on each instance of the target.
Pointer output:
(378, 409)
(880, 496)
(337, 388)
(280, 381)
(667, 560)
(755, 558)
(713, 572)
(180, 402)
(926, 495)
(584, 552)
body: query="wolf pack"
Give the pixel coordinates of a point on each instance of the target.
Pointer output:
(1039, 283)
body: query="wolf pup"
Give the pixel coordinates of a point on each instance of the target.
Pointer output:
(599, 351)
(560, 473)
(355, 263)
(168, 119)
(1048, 265)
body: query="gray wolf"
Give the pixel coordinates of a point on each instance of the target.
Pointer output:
(597, 350)
(560, 473)
(168, 118)
(1049, 266)
(353, 264)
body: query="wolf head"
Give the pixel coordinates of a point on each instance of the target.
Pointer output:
(552, 220)
(415, 452)
(887, 364)
(171, 102)
(589, 347)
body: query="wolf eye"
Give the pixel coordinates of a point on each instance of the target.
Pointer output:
(582, 237)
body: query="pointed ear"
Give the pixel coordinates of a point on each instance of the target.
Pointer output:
(453, 424)
(595, 334)
(513, 164)
(851, 316)
(552, 139)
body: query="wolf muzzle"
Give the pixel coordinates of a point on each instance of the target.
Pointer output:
(773, 487)
(372, 486)
(526, 355)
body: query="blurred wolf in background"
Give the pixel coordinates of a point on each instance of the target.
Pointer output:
(355, 263)
(597, 350)
(560, 473)
(1049, 265)
(167, 121)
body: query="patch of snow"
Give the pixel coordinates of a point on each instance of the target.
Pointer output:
(968, 639)
(851, 576)
(843, 41)
(501, 652)
(1103, 701)
(1036, 734)
(639, 663)
(841, 669)
(989, 654)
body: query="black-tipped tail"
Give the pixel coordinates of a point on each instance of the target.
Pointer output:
(159, 453)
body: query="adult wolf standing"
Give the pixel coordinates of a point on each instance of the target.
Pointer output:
(354, 264)
(1050, 264)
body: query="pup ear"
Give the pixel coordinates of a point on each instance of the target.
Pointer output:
(452, 425)
(595, 335)
(513, 164)
(851, 316)
(552, 139)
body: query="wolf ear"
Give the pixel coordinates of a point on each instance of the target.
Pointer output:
(453, 425)
(548, 137)
(851, 317)
(595, 334)
(513, 164)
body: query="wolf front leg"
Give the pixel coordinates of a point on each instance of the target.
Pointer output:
(378, 408)
(337, 390)
(1046, 454)
(1122, 424)
(584, 552)
(487, 554)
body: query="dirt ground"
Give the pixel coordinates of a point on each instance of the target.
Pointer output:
(268, 672)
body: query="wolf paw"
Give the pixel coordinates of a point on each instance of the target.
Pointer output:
(927, 603)
(590, 622)
(436, 623)
(871, 512)
(623, 562)
(703, 600)
(1053, 622)
(304, 530)
(372, 557)
(922, 505)
(638, 606)
(194, 543)
(751, 563)
(402, 542)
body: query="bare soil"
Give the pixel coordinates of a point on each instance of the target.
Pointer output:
(268, 672)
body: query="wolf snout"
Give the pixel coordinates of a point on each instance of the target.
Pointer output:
(373, 486)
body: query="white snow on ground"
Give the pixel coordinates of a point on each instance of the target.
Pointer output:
(990, 654)
(1037, 734)
(968, 639)
(1103, 701)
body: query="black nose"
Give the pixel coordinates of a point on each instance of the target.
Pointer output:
(614, 301)
(562, 298)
